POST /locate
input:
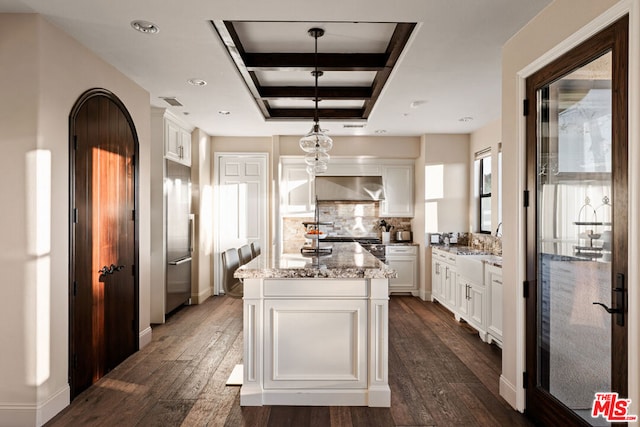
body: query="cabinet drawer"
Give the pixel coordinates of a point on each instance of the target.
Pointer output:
(316, 288)
(401, 250)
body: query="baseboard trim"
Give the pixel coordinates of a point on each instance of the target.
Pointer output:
(144, 337)
(508, 392)
(425, 295)
(25, 414)
(199, 298)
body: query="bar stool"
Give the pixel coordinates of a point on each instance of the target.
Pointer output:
(230, 262)
(245, 254)
(255, 248)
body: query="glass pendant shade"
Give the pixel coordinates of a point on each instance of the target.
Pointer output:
(313, 158)
(317, 168)
(316, 141)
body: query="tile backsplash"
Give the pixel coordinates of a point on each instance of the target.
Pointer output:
(484, 242)
(359, 219)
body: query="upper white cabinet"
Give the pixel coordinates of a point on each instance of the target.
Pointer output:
(177, 141)
(297, 190)
(398, 186)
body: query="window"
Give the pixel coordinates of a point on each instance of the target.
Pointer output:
(483, 184)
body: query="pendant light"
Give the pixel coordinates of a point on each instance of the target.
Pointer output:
(316, 143)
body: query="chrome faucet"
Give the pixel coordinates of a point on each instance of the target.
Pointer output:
(499, 230)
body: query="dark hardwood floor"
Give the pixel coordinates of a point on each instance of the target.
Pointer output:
(440, 374)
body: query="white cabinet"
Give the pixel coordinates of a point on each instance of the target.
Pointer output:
(398, 187)
(297, 190)
(302, 351)
(449, 280)
(470, 304)
(177, 142)
(493, 279)
(443, 278)
(297, 187)
(403, 259)
(437, 294)
(472, 294)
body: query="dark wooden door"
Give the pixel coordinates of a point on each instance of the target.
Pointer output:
(577, 232)
(103, 280)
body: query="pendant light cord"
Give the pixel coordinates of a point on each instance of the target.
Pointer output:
(316, 118)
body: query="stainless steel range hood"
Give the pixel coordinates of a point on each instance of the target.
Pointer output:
(349, 188)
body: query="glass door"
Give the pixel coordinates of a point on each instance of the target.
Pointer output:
(577, 231)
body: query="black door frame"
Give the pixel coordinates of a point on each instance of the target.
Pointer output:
(540, 405)
(87, 95)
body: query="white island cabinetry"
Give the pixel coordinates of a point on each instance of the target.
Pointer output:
(316, 329)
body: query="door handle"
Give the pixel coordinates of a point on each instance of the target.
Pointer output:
(607, 309)
(110, 270)
(618, 300)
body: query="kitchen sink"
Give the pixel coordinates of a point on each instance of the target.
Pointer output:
(472, 266)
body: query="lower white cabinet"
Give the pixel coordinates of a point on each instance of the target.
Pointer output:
(403, 259)
(493, 279)
(476, 300)
(443, 278)
(471, 305)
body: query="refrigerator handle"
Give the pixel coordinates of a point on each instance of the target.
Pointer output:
(191, 232)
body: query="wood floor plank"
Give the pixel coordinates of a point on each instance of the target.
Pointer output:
(440, 373)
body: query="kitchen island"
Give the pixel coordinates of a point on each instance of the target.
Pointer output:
(316, 329)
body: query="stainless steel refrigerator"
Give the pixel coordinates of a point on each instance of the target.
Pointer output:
(179, 223)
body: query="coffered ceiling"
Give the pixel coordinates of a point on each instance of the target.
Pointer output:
(449, 67)
(354, 60)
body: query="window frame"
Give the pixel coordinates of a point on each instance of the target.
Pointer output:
(481, 157)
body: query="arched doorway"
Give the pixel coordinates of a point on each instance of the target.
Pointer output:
(103, 279)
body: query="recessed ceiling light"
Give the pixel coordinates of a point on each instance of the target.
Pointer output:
(145, 27)
(380, 131)
(224, 112)
(196, 82)
(186, 113)
(465, 119)
(416, 104)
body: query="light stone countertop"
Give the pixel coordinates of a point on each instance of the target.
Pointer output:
(346, 261)
(495, 260)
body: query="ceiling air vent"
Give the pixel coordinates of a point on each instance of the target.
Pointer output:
(354, 126)
(172, 101)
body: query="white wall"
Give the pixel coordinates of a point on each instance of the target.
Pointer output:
(384, 147)
(202, 207)
(452, 152)
(552, 32)
(44, 72)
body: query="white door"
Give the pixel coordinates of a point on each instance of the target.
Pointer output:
(241, 205)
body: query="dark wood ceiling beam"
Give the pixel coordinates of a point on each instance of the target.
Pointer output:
(229, 36)
(306, 61)
(395, 47)
(323, 113)
(324, 92)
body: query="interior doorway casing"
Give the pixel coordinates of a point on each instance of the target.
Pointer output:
(511, 380)
(77, 108)
(222, 233)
